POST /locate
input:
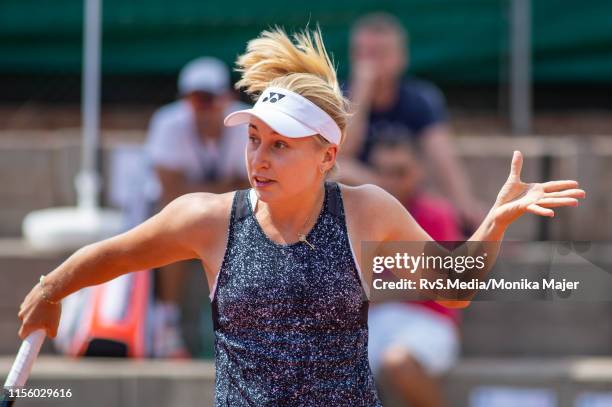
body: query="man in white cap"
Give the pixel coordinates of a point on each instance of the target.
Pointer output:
(190, 150)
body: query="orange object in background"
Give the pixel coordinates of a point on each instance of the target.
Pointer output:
(113, 320)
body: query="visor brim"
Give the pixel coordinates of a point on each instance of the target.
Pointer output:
(280, 122)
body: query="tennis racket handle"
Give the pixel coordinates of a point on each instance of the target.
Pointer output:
(25, 359)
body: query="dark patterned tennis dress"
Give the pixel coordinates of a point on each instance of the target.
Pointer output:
(291, 321)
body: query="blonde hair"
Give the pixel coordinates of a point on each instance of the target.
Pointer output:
(301, 66)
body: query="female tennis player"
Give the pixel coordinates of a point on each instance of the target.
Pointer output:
(283, 258)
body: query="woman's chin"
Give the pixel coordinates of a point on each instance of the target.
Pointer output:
(265, 191)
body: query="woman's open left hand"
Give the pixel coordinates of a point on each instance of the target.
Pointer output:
(517, 197)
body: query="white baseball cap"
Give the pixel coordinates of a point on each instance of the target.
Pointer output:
(289, 114)
(204, 74)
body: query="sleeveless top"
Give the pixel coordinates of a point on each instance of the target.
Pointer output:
(290, 321)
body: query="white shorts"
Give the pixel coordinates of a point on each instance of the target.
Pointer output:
(432, 339)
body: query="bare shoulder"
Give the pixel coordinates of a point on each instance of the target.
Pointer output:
(367, 209)
(368, 199)
(204, 203)
(201, 209)
(200, 217)
(374, 213)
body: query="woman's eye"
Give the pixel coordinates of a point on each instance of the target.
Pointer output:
(252, 139)
(280, 144)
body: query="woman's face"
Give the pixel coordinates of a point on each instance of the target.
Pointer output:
(281, 167)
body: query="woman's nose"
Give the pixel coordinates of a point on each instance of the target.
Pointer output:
(260, 158)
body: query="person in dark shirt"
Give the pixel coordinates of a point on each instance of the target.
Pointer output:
(419, 106)
(386, 103)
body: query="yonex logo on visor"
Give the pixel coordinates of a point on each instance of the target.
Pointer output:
(273, 97)
(289, 114)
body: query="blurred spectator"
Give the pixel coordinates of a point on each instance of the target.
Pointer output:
(412, 343)
(387, 103)
(191, 151)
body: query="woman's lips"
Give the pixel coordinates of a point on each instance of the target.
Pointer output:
(262, 181)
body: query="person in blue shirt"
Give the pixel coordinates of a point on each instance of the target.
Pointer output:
(387, 103)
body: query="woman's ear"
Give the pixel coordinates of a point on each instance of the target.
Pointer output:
(329, 158)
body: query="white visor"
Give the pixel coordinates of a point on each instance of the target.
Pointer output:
(288, 114)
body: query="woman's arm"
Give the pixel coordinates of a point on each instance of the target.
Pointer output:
(395, 224)
(182, 230)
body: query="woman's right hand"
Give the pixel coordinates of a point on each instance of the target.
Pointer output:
(36, 313)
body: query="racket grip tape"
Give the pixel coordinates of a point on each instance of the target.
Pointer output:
(22, 366)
